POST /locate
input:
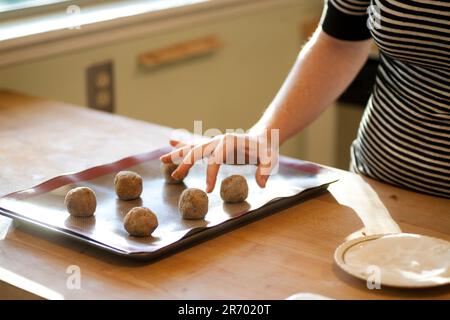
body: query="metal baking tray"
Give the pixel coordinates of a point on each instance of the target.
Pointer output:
(43, 205)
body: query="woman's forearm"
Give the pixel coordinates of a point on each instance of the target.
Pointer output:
(322, 71)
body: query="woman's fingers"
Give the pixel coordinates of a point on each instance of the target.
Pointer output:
(265, 168)
(214, 163)
(260, 179)
(261, 175)
(176, 155)
(211, 176)
(181, 150)
(177, 143)
(196, 153)
(217, 150)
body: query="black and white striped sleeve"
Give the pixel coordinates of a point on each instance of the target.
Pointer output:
(346, 19)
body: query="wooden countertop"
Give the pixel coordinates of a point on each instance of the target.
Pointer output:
(288, 252)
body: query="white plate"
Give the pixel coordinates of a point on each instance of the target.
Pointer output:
(398, 260)
(307, 296)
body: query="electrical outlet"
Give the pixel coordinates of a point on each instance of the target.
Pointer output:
(100, 86)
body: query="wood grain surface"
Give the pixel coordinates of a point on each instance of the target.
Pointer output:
(288, 252)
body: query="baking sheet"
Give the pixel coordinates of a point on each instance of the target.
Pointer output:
(44, 204)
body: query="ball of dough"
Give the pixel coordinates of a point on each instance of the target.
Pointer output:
(167, 169)
(234, 189)
(140, 222)
(81, 202)
(128, 185)
(193, 204)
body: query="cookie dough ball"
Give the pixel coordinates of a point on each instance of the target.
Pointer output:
(234, 189)
(167, 169)
(81, 202)
(140, 222)
(128, 185)
(193, 204)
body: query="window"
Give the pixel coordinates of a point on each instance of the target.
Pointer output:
(22, 18)
(13, 5)
(37, 28)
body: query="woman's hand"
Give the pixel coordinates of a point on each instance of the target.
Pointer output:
(228, 148)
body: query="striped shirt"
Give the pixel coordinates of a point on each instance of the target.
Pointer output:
(404, 135)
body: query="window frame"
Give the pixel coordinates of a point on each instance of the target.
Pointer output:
(50, 7)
